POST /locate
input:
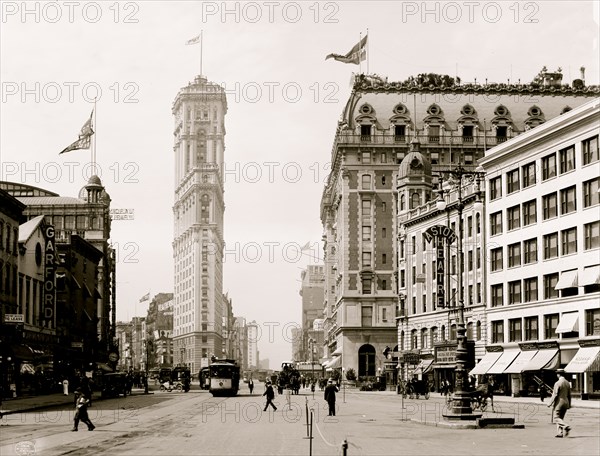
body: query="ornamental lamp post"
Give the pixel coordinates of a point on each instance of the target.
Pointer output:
(461, 401)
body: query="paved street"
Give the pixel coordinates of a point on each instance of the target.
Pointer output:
(373, 423)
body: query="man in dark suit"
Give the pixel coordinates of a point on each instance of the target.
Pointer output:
(270, 396)
(330, 391)
(561, 401)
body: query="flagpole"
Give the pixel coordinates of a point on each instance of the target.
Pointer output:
(94, 142)
(359, 49)
(201, 52)
(368, 50)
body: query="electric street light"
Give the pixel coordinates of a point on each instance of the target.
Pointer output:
(311, 344)
(461, 402)
(344, 384)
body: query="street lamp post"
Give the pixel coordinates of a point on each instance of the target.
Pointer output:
(344, 384)
(311, 343)
(461, 402)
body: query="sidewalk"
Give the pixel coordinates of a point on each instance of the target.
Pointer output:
(32, 403)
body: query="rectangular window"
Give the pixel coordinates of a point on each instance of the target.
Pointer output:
(383, 207)
(401, 248)
(531, 328)
(366, 233)
(498, 332)
(366, 210)
(496, 256)
(592, 322)
(366, 259)
(384, 314)
(514, 255)
(567, 159)
(530, 251)
(414, 244)
(569, 241)
(497, 293)
(530, 289)
(478, 293)
(469, 226)
(591, 235)
(550, 281)
(528, 174)
(383, 157)
(513, 217)
(589, 149)
(366, 156)
(550, 324)
(496, 223)
(402, 278)
(470, 260)
(383, 258)
(568, 200)
(383, 233)
(366, 181)
(549, 206)
(591, 197)
(514, 292)
(367, 316)
(366, 283)
(478, 260)
(550, 246)
(495, 188)
(549, 167)
(512, 181)
(515, 332)
(424, 303)
(529, 213)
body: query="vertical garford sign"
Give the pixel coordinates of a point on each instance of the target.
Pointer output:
(437, 234)
(49, 302)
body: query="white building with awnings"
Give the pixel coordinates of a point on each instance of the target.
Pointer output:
(543, 250)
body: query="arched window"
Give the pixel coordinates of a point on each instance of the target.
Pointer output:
(424, 340)
(366, 182)
(366, 361)
(434, 335)
(414, 340)
(453, 332)
(402, 202)
(415, 200)
(443, 333)
(401, 340)
(478, 331)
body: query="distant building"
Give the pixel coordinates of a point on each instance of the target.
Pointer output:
(253, 338)
(313, 292)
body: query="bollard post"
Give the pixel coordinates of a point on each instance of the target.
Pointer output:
(310, 437)
(306, 406)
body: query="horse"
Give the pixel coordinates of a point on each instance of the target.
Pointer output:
(481, 395)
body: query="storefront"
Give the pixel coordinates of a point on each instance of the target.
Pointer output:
(585, 367)
(444, 364)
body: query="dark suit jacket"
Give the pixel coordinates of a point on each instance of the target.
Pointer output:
(330, 391)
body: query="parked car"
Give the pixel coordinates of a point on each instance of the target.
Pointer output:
(114, 384)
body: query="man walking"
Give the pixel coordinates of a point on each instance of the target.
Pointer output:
(330, 391)
(270, 396)
(250, 385)
(561, 401)
(81, 413)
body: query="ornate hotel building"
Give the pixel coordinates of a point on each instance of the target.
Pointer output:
(378, 195)
(544, 255)
(198, 312)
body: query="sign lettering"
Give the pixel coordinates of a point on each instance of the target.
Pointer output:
(49, 276)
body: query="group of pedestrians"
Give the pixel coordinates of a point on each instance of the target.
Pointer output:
(330, 394)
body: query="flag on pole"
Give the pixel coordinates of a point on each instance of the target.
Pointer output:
(194, 40)
(356, 55)
(85, 135)
(146, 297)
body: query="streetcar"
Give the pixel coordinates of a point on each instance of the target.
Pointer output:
(224, 377)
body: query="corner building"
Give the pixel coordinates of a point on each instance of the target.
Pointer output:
(543, 236)
(199, 110)
(453, 124)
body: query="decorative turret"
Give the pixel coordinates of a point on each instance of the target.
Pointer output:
(414, 179)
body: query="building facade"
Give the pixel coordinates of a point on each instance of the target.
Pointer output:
(312, 292)
(199, 110)
(544, 255)
(253, 334)
(454, 123)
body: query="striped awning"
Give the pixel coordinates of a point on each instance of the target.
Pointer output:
(521, 362)
(544, 359)
(568, 279)
(505, 360)
(590, 276)
(423, 367)
(587, 359)
(486, 363)
(568, 323)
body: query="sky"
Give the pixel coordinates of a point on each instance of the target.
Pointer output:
(284, 101)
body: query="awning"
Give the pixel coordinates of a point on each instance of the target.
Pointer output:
(590, 276)
(587, 359)
(544, 359)
(25, 352)
(568, 279)
(504, 361)
(423, 367)
(326, 362)
(522, 360)
(568, 323)
(337, 352)
(336, 363)
(87, 290)
(486, 362)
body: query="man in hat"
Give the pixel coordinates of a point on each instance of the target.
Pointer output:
(330, 391)
(81, 414)
(561, 401)
(270, 396)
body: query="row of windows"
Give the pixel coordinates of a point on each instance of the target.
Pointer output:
(366, 233)
(526, 252)
(526, 213)
(527, 328)
(526, 176)
(526, 290)
(427, 337)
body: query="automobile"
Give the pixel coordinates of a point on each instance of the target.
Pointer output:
(114, 384)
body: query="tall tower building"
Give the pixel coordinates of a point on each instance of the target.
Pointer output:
(199, 110)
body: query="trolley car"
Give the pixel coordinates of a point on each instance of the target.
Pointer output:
(224, 377)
